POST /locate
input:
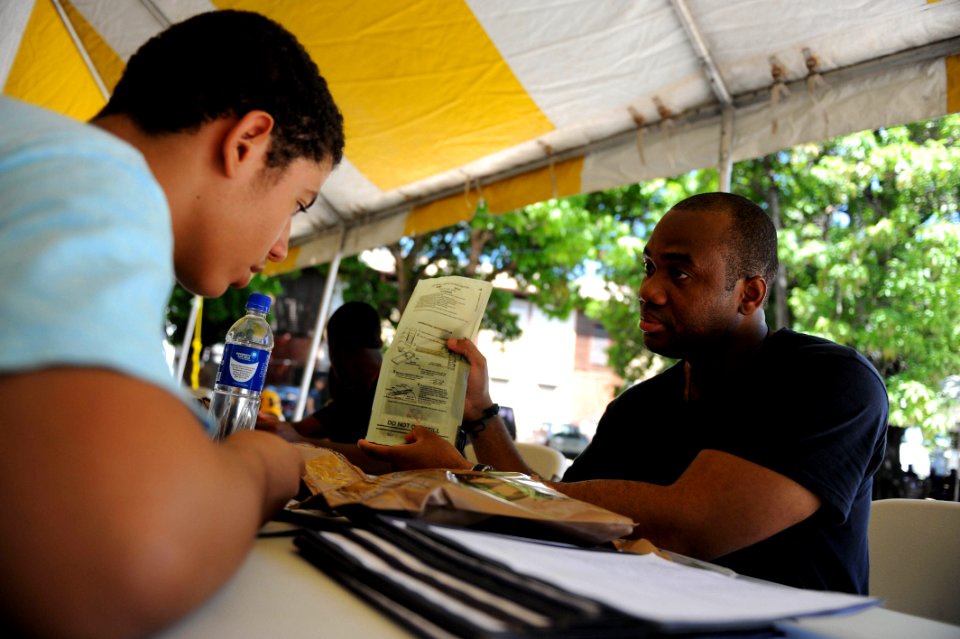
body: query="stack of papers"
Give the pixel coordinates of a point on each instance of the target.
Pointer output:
(442, 581)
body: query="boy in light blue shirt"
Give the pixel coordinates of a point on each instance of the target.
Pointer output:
(126, 514)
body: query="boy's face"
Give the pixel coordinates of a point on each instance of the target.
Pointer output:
(248, 225)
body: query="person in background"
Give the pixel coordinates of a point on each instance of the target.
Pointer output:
(120, 512)
(756, 450)
(356, 355)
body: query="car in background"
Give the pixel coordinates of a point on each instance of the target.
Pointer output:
(567, 438)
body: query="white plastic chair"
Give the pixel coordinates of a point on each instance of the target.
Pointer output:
(915, 556)
(548, 463)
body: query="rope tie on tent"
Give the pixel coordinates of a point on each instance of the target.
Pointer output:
(777, 90)
(815, 81)
(471, 184)
(476, 185)
(666, 125)
(548, 150)
(639, 121)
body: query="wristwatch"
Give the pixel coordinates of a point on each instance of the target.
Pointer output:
(474, 427)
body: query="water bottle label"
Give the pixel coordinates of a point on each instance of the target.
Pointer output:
(243, 367)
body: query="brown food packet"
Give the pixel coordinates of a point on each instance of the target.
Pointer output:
(456, 497)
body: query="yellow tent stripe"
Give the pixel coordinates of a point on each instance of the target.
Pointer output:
(441, 213)
(506, 195)
(535, 186)
(48, 69)
(424, 87)
(105, 59)
(953, 83)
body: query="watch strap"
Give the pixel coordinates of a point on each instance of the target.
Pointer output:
(474, 427)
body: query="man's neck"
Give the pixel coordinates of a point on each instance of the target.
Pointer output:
(701, 374)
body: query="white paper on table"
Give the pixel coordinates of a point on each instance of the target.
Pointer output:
(422, 383)
(656, 589)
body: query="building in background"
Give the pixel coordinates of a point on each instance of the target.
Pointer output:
(555, 374)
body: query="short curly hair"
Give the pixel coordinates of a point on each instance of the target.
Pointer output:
(228, 63)
(750, 245)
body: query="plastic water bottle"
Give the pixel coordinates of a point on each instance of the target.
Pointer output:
(236, 393)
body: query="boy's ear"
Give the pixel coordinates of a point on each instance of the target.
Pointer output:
(247, 142)
(754, 292)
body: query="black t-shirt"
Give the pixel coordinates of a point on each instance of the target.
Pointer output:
(345, 418)
(802, 406)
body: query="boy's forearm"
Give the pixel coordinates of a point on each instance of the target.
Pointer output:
(271, 467)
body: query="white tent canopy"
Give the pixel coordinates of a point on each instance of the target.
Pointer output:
(517, 101)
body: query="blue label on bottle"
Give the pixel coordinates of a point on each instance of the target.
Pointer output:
(243, 367)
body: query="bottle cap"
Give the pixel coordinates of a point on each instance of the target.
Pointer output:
(259, 302)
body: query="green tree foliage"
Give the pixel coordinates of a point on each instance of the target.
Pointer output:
(544, 248)
(870, 245)
(364, 284)
(219, 313)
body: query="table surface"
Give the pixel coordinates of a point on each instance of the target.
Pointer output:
(277, 593)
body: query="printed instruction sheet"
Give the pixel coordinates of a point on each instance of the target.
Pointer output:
(423, 383)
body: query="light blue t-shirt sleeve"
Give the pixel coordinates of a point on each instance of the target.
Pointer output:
(86, 250)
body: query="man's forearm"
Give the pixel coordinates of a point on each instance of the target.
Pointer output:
(658, 517)
(720, 504)
(494, 446)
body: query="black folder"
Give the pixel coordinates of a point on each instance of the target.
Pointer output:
(439, 589)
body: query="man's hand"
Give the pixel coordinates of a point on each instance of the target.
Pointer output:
(424, 449)
(478, 385)
(272, 424)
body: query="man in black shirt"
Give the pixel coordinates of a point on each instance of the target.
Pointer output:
(756, 450)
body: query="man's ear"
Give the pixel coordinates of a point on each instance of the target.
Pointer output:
(754, 292)
(247, 142)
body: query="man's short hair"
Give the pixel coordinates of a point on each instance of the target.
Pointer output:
(750, 245)
(228, 63)
(354, 325)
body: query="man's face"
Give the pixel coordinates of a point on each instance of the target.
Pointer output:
(685, 309)
(247, 226)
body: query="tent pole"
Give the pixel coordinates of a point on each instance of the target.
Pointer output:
(717, 85)
(185, 348)
(702, 51)
(317, 334)
(101, 86)
(157, 14)
(725, 168)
